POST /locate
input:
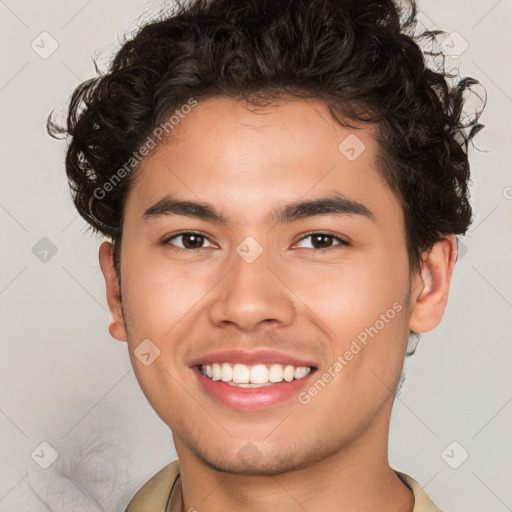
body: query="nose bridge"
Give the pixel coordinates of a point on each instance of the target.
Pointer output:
(250, 295)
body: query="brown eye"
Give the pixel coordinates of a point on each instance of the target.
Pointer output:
(323, 241)
(189, 240)
(192, 241)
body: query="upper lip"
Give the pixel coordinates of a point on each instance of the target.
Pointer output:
(251, 357)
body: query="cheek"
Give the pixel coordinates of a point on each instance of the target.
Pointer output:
(159, 297)
(350, 297)
(362, 311)
(367, 328)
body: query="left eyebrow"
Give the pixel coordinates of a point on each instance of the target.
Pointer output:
(336, 204)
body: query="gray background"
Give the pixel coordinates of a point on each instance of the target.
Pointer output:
(66, 382)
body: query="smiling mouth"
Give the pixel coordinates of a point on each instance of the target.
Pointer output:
(254, 376)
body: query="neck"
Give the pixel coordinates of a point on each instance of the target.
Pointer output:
(356, 478)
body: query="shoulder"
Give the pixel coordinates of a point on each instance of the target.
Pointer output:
(153, 495)
(422, 502)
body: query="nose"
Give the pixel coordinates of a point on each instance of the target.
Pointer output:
(252, 296)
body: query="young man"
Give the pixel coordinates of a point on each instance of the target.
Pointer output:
(282, 183)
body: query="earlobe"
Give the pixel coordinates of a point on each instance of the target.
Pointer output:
(116, 327)
(432, 284)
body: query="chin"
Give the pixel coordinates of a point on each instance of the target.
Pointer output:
(249, 460)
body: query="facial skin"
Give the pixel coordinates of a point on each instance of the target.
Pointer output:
(304, 301)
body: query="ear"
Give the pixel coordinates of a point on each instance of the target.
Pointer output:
(116, 327)
(431, 285)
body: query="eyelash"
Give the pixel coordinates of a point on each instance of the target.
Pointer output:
(341, 241)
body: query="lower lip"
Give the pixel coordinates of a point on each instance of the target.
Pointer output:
(251, 399)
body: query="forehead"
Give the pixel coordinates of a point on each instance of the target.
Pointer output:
(224, 151)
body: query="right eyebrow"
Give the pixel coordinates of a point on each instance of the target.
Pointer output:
(171, 206)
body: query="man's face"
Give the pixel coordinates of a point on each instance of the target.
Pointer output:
(316, 289)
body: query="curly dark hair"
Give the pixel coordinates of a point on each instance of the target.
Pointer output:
(360, 57)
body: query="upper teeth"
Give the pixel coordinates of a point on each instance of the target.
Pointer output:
(257, 374)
